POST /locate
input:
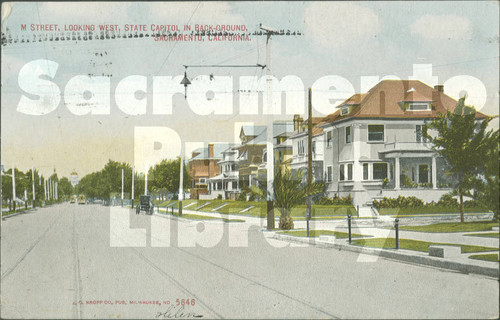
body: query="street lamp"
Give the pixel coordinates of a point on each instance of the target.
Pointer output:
(185, 81)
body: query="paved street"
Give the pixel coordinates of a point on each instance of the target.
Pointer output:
(70, 261)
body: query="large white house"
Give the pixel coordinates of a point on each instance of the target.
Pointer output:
(373, 146)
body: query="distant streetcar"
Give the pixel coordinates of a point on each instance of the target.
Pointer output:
(82, 199)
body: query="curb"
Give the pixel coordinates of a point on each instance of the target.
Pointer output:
(16, 214)
(417, 259)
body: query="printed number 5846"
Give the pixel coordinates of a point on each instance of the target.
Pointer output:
(183, 302)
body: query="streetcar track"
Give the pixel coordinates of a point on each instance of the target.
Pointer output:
(13, 267)
(77, 312)
(304, 303)
(176, 283)
(259, 284)
(172, 280)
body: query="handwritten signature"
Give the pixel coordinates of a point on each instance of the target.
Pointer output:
(175, 312)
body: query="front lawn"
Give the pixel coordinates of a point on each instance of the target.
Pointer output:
(416, 245)
(317, 233)
(486, 257)
(453, 227)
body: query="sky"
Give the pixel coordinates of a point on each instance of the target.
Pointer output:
(357, 41)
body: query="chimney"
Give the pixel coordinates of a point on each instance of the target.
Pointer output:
(436, 94)
(297, 123)
(382, 103)
(210, 150)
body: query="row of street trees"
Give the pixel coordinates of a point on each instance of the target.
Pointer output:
(163, 178)
(24, 181)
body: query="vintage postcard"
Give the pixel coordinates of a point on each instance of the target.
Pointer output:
(298, 160)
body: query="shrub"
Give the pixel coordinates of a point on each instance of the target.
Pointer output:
(335, 201)
(219, 197)
(399, 202)
(448, 201)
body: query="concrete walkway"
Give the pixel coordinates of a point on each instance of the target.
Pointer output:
(366, 227)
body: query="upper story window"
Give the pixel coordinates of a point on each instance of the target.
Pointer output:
(419, 106)
(375, 132)
(419, 136)
(301, 147)
(314, 147)
(329, 139)
(348, 137)
(329, 174)
(344, 111)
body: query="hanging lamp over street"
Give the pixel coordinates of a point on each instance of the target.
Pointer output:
(185, 81)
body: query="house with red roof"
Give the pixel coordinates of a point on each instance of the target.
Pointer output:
(373, 146)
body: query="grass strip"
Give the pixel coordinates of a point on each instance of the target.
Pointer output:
(486, 257)
(453, 227)
(484, 235)
(201, 217)
(317, 233)
(428, 210)
(415, 245)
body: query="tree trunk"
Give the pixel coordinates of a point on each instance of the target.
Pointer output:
(461, 205)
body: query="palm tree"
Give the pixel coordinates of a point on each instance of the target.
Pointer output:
(289, 192)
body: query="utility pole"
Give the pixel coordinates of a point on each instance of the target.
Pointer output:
(122, 185)
(181, 186)
(269, 142)
(133, 181)
(14, 187)
(309, 161)
(33, 184)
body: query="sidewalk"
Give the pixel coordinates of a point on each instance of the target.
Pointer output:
(460, 263)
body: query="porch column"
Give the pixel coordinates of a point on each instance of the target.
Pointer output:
(356, 152)
(397, 185)
(434, 173)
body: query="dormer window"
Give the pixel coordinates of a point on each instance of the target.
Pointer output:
(419, 106)
(344, 111)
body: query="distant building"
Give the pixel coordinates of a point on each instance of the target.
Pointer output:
(204, 165)
(73, 178)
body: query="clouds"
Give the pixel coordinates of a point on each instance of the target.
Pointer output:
(340, 24)
(209, 13)
(442, 27)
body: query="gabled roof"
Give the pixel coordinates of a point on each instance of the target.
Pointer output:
(382, 101)
(252, 130)
(219, 148)
(279, 128)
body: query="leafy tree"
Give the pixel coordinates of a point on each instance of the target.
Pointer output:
(165, 176)
(289, 192)
(65, 188)
(464, 143)
(487, 185)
